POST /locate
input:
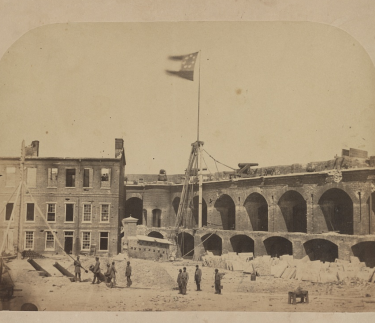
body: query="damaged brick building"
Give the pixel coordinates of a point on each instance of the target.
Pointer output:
(82, 200)
(324, 210)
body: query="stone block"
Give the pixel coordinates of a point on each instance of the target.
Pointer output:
(354, 260)
(248, 268)
(286, 273)
(326, 277)
(279, 269)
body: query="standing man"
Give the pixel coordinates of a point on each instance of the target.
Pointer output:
(218, 281)
(112, 274)
(198, 277)
(128, 273)
(96, 271)
(77, 270)
(179, 281)
(184, 280)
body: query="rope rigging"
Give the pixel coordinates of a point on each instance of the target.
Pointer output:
(216, 161)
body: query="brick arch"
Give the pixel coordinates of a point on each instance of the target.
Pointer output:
(352, 193)
(278, 246)
(337, 208)
(280, 192)
(257, 210)
(174, 195)
(321, 249)
(242, 243)
(225, 206)
(175, 204)
(213, 242)
(163, 232)
(293, 207)
(131, 195)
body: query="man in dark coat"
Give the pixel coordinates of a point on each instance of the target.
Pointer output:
(107, 274)
(198, 277)
(218, 277)
(128, 273)
(77, 270)
(179, 282)
(184, 281)
(96, 271)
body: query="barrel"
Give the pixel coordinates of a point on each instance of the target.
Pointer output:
(253, 277)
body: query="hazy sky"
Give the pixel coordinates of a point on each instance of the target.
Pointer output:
(271, 92)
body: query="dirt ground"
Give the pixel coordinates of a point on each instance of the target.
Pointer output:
(155, 289)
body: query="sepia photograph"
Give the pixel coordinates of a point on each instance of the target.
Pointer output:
(188, 165)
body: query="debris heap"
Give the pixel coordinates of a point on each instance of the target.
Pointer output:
(286, 267)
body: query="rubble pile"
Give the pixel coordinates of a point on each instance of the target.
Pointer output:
(286, 267)
(31, 254)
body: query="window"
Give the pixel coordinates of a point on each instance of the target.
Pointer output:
(105, 178)
(70, 177)
(29, 240)
(104, 213)
(10, 180)
(50, 240)
(69, 212)
(30, 212)
(103, 243)
(87, 212)
(8, 212)
(87, 177)
(86, 240)
(51, 212)
(52, 177)
(31, 177)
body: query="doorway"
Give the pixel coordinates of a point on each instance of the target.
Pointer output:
(68, 244)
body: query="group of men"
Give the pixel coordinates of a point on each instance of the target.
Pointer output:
(109, 275)
(183, 278)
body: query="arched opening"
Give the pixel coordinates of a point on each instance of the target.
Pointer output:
(156, 218)
(337, 208)
(156, 234)
(176, 204)
(227, 209)
(195, 211)
(278, 246)
(293, 208)
(321, 249)
(134, 208)
(371, 213)
(257, 209)
(365, 251)
(213, 244)
(242, 243)
(186, 245)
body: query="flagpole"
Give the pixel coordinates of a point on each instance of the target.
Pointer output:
(199, 93)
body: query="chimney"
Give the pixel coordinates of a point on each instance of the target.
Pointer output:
(119, 146)
(33, 149)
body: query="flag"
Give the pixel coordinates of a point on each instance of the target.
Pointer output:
(187, 66)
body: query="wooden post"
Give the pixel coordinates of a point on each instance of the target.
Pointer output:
(20, 222)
